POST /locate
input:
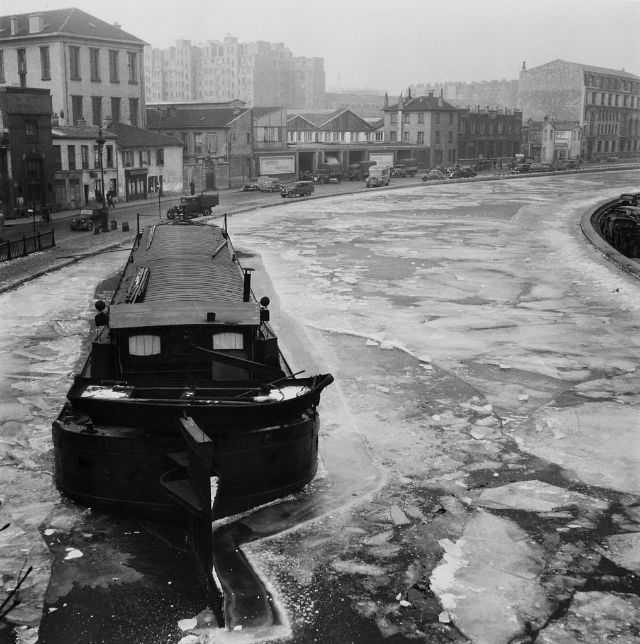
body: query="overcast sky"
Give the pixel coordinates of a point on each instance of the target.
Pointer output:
(390, 44)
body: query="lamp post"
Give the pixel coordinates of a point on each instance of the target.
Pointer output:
(103, 211)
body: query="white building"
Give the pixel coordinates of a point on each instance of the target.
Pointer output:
(93, 69)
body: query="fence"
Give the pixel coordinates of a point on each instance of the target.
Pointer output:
(26, 245)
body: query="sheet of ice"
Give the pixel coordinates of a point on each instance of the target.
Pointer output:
(105, 393)
(283, 393)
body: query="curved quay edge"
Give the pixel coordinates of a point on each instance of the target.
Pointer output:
(588, 223)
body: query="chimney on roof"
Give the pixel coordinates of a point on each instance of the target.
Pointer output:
(524, 65)
(36, 23)
(117, 25)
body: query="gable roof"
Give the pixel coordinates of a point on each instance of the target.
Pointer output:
(259, 112)
(67, 22)
(80, 132)
(423, 104)
(343, 117)
(173, 118)
(130, 136)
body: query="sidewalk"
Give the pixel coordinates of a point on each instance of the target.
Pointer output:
(15, 272)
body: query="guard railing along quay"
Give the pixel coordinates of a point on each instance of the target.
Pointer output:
(26, 246)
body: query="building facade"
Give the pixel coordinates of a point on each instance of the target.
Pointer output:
(78, 179)
(428, 124)
(93, 69)
(26, 163)
(258, 73)
(560, 141)
(217, 140)
(148, 163)
(605, 103)
(488, 137)
(136, 163)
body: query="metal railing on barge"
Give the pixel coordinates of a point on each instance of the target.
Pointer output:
(26, 245)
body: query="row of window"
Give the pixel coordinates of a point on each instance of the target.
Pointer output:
(435, 117)
(406, 137)
(95, 67)
(607, 82)
(144, 156)
(474, 126)
(78, 112)
(95, 64)
(72, 158)
(617, 100)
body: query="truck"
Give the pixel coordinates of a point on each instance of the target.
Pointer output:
(192, 206)
(359, 170)
(379, 175)
(327, 172)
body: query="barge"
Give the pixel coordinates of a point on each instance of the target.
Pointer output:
(186, 410)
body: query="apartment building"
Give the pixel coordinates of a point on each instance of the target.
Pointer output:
(428, 124)
(93, 69)
(258, 73)
(604, 102)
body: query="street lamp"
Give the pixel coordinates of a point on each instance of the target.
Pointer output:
(103, 211)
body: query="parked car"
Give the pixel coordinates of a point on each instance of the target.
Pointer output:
(567, 164)
(297, 189)
(84, 221)
(434, 175)
(462, 173)
(520, 168)
(268, 184)
(193, 206)
(250, 187)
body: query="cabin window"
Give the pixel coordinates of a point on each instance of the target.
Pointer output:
(144, 345)
(228, 341)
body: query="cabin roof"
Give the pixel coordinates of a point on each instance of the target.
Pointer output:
(192, 271)
(140, 316)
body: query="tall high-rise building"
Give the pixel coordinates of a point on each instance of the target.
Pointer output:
(258, 73)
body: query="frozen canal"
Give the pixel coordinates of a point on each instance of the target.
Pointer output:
(479, 478)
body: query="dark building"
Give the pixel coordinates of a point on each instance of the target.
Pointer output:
(488, 136)
(26, 161)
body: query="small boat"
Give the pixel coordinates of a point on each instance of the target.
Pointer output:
(186, 410)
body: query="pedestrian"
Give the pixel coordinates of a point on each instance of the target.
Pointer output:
(110, 202)
(192, 188)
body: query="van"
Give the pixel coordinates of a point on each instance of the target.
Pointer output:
(268, 184)
(297, 189)
(379, 175)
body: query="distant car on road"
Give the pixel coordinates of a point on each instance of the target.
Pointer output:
(250, 187)
(434, 175)
(297, 189)
(520, 168)
(84, 221)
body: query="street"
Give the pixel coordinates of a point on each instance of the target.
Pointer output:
(482, 350)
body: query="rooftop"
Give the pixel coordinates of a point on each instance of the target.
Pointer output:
(63, 22)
